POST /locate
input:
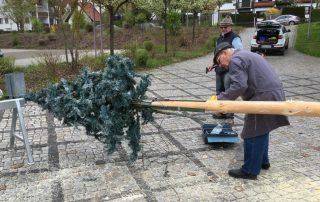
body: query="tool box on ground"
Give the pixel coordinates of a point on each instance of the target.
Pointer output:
(214, 133)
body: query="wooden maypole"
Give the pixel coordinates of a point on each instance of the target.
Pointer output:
(287, 108)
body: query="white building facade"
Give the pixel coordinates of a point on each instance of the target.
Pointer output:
(42, 12)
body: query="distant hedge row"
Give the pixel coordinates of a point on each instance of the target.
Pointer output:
(315, 15)
(297, 11)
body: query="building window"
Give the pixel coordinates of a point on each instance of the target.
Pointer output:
(6, 20)
(1, 21)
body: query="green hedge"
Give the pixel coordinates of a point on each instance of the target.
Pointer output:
(315, 15)
(298, 11)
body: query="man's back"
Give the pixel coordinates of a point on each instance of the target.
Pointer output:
(251, 76)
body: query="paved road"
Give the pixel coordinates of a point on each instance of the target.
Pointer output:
(175, 164)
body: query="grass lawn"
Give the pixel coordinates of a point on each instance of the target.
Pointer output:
(309, 46)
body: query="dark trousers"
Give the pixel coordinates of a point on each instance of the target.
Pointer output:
(255, 153)
(222, 82)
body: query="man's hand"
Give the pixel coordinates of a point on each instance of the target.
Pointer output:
(210, 68)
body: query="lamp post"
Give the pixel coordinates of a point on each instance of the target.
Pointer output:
(309, 24)
(94, 30)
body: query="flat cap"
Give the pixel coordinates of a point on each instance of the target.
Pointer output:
(219, 48)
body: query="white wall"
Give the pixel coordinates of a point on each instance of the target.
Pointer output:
(7, 26)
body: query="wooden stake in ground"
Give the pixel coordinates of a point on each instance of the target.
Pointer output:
(287, 108)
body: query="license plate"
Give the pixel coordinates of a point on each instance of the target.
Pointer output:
(265, 46)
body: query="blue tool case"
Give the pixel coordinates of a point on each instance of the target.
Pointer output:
(219, 133)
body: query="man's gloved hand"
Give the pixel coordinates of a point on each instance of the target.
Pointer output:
(210, 68)
(213, 98)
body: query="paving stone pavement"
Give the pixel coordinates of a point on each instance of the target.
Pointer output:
(175, 164)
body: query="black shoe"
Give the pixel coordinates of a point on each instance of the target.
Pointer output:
(265, 166)
(238, 173)
(230, 116)
(219, 116)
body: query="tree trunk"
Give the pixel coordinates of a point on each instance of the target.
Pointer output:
(65, 40)
(111, 30)
(194, 27)
(101, 29)
(165, 26)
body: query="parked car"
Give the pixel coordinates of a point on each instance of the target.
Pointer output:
(288, 19)
(1, 54)
(270, 36)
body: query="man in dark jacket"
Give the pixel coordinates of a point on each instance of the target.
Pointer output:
(252, 78)
(222, 76)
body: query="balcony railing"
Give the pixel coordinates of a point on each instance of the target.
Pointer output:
(243, 4)
(302, 1)
(284, 2)
(263, 4)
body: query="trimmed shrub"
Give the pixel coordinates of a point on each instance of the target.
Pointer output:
(128, 19)
(15, 40)
(51, 63)
(211, 42)
(148, 45)
(141, 57)
(174, 22)
(94, 63)
(37, 25)
(52, 37)
(42, 42)
(183, 42)
(7, 65)
(141, 18)
(131, 48)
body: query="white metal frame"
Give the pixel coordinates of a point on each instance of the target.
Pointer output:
(16, 105)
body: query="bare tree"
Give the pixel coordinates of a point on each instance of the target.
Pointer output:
(161, 8)
(112, 6)
(62, 13)
(71, 34)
